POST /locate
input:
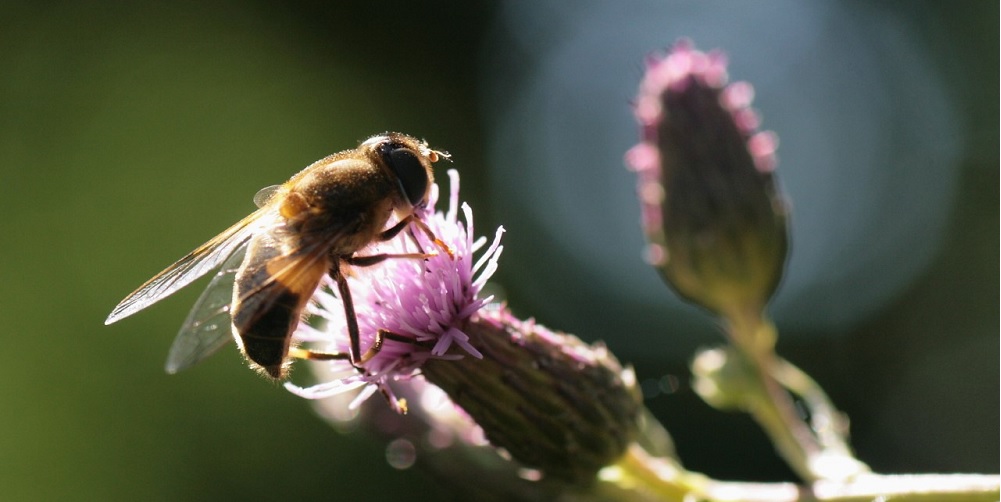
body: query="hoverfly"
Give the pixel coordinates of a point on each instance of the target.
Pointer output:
(272, 261)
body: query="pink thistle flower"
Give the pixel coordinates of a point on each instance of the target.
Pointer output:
(516, 380)
(425, 301)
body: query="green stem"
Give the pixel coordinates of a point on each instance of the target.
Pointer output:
(755, 337)
(641, 477)
(814, 451)
(830, 425)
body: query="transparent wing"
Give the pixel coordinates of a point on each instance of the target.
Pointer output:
(208, 326)
(196, 264)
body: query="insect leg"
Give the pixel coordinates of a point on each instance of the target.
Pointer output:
(368, 261)
(434, 238)
(404, 223)
(349, 312)
(315, 355)
(354, 335)
(393, 231)
(355, 356)
(413, 237)
(398, 404)
(380, 337)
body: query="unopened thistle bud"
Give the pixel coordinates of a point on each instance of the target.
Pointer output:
(553, 402)
(714, 218)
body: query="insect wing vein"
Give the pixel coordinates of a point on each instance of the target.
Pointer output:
(208, 326)
(196, 264)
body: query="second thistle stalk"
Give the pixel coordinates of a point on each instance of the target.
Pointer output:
(717, 226)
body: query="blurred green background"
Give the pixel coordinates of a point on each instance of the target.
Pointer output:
(132, 132)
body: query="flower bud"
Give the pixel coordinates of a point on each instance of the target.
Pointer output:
(721, 379)
(551, 401)
(713, 215)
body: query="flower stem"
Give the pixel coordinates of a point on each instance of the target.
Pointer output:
(773, 409)
(641, 477)
(815, 450)
(830, 425)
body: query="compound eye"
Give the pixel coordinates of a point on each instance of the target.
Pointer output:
(410, 173)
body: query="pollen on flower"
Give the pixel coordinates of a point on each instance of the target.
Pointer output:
(424, 303)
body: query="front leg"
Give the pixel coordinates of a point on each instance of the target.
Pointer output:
(397, 228)
(434, 238)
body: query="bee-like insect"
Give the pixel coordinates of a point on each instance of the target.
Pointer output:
(272, 261)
